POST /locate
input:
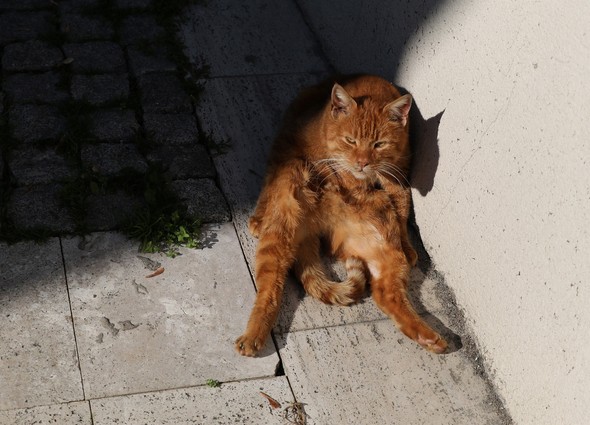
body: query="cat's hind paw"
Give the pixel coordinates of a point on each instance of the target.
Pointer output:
(254, 224)
(248, 346)
(434, 344)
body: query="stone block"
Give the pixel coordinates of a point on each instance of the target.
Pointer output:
(110, 159)
(30, 165)
(31, 55)
(37, 347)
(35, 123)
(171, 129)
(203, 199)
(138, 29)
(100, 89)
(39, 206)
(96, 57)
(110, 211)
(35, 88)
(163, 92)
(114, 125)
(231, 403)
(23, 4)
(79, 6)
(181, 328)
(78, 27)
(183, 162)
(141, 62)
(255, 40)
(21, 26)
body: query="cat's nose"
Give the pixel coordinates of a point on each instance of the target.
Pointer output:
(362, 163)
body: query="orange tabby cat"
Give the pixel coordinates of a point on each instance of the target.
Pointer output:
(338, 172)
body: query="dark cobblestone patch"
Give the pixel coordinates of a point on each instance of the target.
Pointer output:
(39, 206)
(141, 63)
(163, 92)
(33, 88)
(34, 166)
(31, 55)
(96, 57)
(36, 123)
(100, 89)
(110, 160)
(183, 162)
(171, 129)
(78, 6)
(133, 4)
(139, 29)
(110, 211)
(203, 200)
(20, 26)
(77, 27)
(23, 4)
(114, 125)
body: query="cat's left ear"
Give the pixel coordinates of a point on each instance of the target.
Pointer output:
(399, 109)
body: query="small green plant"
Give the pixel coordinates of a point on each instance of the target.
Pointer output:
(213, 383)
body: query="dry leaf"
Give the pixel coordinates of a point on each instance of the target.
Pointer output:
(157, 272)
(273, 403)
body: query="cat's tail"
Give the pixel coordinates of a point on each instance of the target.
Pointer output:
(312, 275)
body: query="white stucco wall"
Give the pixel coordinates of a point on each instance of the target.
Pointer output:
(507, 219)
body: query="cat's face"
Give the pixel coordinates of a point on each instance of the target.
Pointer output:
(368, 139)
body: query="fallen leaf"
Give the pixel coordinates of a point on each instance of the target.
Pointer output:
(68, 61)
(273, 403)
(157, 272)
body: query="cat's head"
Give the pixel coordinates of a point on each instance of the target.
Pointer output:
(367, 136)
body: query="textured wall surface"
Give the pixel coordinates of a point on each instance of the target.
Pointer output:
(502, 177)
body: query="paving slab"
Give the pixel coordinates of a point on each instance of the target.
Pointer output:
(232, 403)
(38, 361)
(259, 38)
(181, 328)
(369, 373)
(77, 413)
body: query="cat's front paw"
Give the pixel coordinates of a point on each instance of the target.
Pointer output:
(249, 346)
(411, 256)
(254, 224)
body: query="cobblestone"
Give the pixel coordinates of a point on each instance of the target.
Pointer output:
(171, 129)
(84, 28)
(34, 166)
(133, 4)
(35, 88)
(114, 125)
(36, 123)
(96, 57)
(203, 200)
(39, 206)
(100, 89)
(110, 211)
(139, 29)
(163, 92)
(110, 159)
(30, 55)
(20, 26)
(141, 63)
(183, 162)
(23, 4)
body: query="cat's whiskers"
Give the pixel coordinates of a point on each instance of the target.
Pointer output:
(386, 172)
(395, 172)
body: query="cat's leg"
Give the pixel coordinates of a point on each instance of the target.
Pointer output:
(389, 280)
(401, 197)
(280, 235)
(255, 220)
(309, 269)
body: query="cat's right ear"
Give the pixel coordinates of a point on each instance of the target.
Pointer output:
(342, 102)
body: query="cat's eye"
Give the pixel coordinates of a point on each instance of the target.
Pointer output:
(350, 140)
(378, 145)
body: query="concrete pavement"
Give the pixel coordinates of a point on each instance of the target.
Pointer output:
(88, 338)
